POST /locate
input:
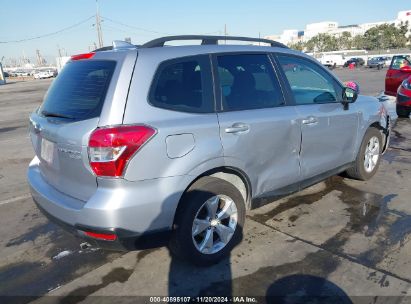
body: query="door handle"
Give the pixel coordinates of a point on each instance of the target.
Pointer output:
(310, 121)
(238, 128)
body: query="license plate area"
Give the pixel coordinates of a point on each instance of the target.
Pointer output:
(47, 151)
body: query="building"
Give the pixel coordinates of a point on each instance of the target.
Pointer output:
(332, 28)
(287, 36)
(313, 29)
(403, 16)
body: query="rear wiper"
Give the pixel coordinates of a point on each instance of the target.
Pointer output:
(51, 114)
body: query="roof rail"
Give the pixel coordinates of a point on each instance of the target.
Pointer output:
(207, 40)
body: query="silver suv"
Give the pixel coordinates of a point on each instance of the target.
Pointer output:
(137, 142)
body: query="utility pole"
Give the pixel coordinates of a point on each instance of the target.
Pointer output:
(98, 27)
(39, 59)
(59, 51)
(225, 33)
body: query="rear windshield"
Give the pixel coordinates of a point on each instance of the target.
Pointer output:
(79, 91)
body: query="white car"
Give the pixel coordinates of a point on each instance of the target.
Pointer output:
(43, 74)
(332, 61)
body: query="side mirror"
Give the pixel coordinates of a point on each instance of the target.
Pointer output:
(406, 69)
(349, 95)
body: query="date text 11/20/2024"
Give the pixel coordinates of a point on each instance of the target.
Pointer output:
(203, 300)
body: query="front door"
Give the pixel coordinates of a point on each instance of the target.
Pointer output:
(395, 75)
(328, 131)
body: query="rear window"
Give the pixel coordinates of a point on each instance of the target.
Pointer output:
(183, 84)
(79, 91)
(247, 81)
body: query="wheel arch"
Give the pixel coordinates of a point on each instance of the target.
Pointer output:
(235, 176)
(377, 124)
(385, 132)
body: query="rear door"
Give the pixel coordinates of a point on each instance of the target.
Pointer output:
(258, 129)
(60, 128)
(328, 131)
(394, 75)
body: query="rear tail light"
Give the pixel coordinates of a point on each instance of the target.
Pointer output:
(110, 149)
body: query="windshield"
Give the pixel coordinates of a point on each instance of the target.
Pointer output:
(79, 91)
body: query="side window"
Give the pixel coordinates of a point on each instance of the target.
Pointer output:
(309, 83)
(247, 81)
(400, 61)
(183, 85)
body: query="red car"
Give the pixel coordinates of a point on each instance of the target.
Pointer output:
(404, 98)
(397, 83)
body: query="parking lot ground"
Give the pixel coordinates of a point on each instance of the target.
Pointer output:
(371, 81)
(340, 237)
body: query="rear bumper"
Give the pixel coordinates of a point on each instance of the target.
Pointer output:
(131, 210)
(120, 244)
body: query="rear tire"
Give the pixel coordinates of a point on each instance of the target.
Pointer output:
(209, 221)
(369, 157)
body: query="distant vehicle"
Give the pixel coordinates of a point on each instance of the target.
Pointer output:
(36, 75)
(6, 74)
(22, 73)
(332, 61)
(44, 74)
(376, 62)
(404, 98)
(387, 60)
(400, 69)
(357, 61)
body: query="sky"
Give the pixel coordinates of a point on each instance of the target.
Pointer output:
(145, 20)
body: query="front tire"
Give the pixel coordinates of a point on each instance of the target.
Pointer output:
(209, 221)
(369, 157)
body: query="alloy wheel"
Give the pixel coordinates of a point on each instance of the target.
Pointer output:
(214, 224)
